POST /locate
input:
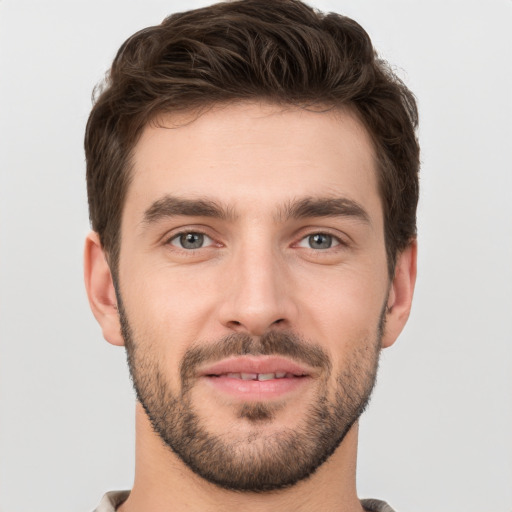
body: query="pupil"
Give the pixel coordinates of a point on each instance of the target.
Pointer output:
(320, 241)
(192, 240)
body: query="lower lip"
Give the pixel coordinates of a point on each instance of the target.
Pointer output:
(256, 390)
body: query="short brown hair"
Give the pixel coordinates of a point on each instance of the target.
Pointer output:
(279, 51)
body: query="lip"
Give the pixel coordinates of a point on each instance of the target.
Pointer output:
(255, 364)
(224, 377)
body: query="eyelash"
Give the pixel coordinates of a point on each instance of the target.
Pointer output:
(177, 237)
(336, 240)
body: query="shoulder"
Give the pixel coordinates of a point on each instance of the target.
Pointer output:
(111, 500)
(376, 506)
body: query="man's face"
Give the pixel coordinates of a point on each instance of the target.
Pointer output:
(252, 287)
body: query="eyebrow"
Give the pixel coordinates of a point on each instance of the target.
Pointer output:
(323, 207)
(172, 206)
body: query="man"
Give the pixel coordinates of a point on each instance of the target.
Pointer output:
(252, 175)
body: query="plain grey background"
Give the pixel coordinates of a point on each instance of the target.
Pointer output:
(437, 436)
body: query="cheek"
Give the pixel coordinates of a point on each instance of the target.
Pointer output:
(164, 313)
(342, 310)
(168, 309)
(171, 295)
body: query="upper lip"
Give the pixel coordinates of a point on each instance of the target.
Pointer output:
(255, 364)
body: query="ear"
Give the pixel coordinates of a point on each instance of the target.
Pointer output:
(100, 290)
(400, 294)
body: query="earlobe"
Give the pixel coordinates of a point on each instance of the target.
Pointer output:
(100, 289)
(400, 294)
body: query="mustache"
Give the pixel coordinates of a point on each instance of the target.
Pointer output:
(281, 343)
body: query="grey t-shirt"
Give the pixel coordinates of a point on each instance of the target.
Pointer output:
(113, 499)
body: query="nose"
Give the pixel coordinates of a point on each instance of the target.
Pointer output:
(258, 295)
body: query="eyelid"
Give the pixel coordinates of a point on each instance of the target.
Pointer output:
(208, 241)
(341, 239)
(183, 230)
(305, 240)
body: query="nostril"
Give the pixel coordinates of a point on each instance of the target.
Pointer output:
(254, 327)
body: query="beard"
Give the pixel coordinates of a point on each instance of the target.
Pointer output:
(255, 461)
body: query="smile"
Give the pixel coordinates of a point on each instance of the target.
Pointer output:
(256, 368)
(256, 378)
(259, 376)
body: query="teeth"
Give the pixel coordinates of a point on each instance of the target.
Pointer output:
(249, 376)
(266, 376)
(259, 376)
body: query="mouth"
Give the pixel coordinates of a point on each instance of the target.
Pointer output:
(258, 378)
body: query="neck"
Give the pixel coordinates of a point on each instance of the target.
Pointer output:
(164, 483)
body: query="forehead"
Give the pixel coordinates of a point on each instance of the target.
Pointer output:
(253, 152)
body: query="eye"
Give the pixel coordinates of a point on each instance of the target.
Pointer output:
(191, 240)
(319, 241)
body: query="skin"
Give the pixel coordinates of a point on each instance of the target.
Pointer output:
(253, 160)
